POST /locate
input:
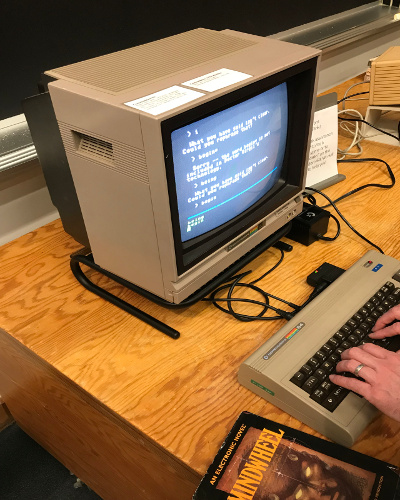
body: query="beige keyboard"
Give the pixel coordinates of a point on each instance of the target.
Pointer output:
(291, 370)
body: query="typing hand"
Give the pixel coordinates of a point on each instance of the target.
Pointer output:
(387, 325)
(378, 380)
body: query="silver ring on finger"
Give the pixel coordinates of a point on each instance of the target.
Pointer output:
(357, 370)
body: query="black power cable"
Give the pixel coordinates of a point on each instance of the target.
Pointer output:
(333, 204)
(225, 304)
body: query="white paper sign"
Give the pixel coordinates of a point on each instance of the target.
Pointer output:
(217, 80)
(164, 100)
(322, 161)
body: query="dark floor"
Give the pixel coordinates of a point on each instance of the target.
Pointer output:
(28, 472)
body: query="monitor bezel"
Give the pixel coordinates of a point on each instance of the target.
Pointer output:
(301, 82)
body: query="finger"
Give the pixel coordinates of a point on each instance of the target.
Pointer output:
(353, 384)
(366, 373)
(387, 318)
(388, 331)
(375, 350)
(366, 355)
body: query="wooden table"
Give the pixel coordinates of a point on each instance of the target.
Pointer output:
(135, 414)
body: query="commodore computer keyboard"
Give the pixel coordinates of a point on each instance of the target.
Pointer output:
(291, 370)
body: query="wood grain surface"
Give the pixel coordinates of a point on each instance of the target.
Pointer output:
(134, 413)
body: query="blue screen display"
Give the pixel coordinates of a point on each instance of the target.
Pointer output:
(226, 162)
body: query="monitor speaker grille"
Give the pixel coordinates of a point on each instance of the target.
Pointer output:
(121, 71)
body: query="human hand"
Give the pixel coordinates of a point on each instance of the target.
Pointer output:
(387, 325)
(380, 382)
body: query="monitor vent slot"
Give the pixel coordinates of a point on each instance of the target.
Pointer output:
(116, 156)
(96, 148)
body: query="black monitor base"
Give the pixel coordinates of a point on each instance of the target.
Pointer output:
(86, 258)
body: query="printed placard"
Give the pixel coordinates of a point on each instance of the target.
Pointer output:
(164, 100)
(217, 80)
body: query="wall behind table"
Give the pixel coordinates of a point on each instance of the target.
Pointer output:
(38, 36)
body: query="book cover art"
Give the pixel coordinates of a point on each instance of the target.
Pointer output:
(263, 460)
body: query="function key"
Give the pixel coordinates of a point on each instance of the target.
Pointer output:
(395, 293)
(396, 276)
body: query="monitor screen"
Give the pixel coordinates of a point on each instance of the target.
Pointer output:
(227, 161)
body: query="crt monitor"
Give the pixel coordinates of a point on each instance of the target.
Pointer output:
(187, 152)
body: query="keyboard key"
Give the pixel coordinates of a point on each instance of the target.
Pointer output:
(334, 358)
(340, 336)
(307, 370)
(369, 321)
(353, 339)
(298, 379)
(390, 285)
(311, 384)
(320, 356)
(369, 306)
(357, 318)
(363, 312)
(375, 301)
(346, 329)
(327, 387)
(320, 374)
(318, 396)
(328, 367)
(352, 324)
(335, 398)
(313, 362)
(327, 349)
(333, 342)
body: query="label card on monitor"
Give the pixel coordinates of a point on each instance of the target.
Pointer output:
(164, 100)
(217, 80)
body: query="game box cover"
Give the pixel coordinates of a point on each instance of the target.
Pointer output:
(263, 460)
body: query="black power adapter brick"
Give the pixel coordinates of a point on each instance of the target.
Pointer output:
(325, 273)
(309, 225)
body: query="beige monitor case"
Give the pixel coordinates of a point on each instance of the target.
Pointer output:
(115, 151)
